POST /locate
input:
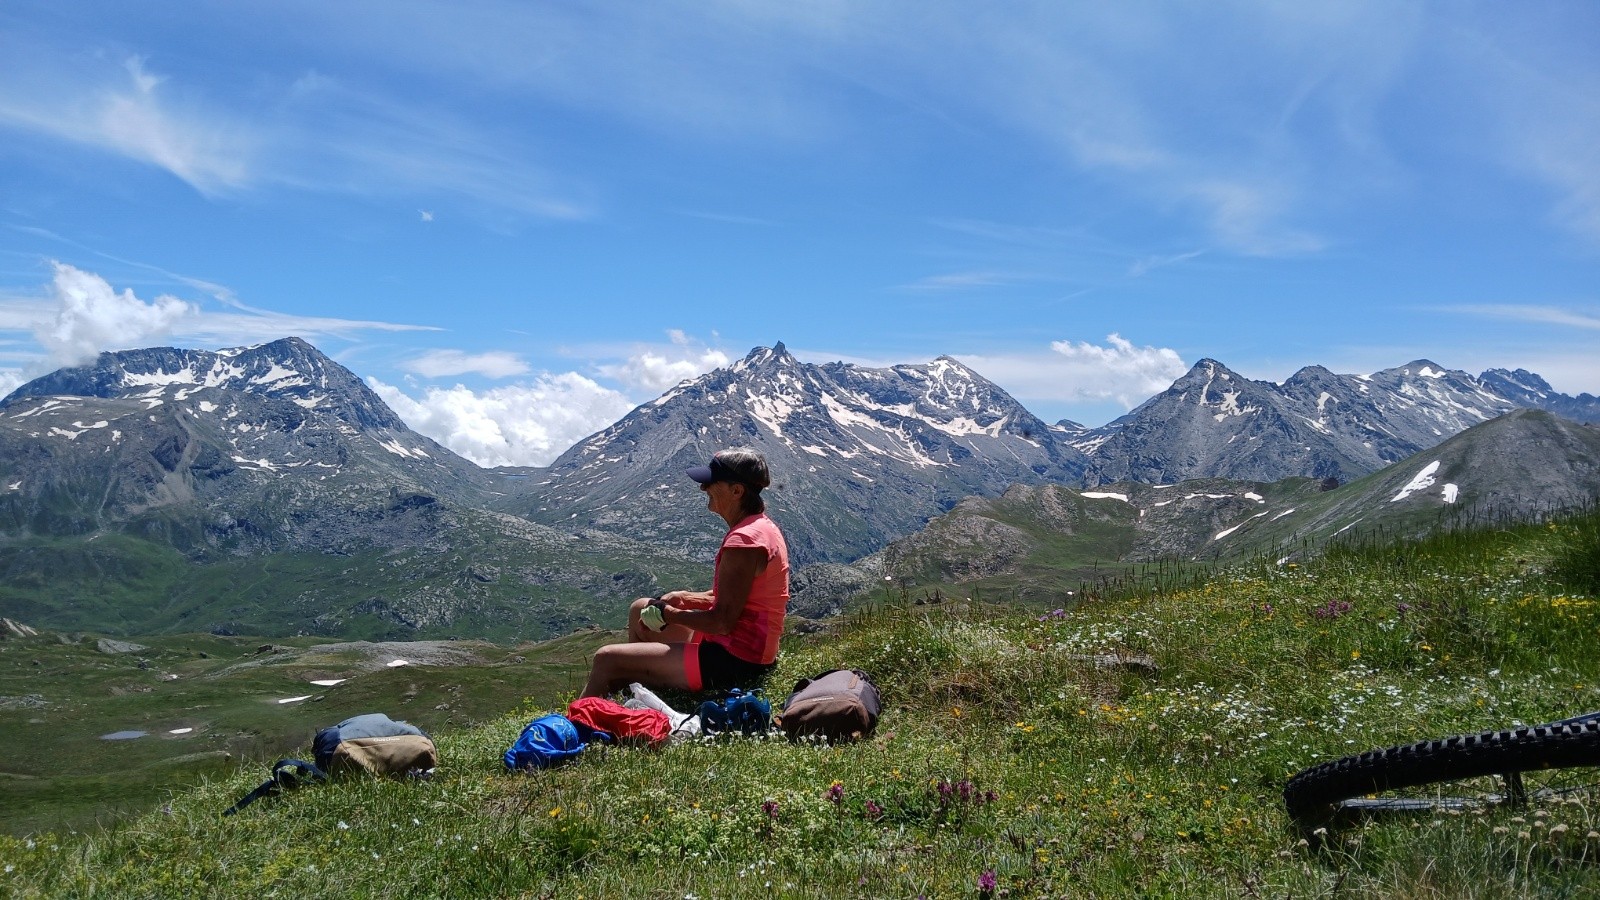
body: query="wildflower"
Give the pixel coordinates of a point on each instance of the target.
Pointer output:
(874, 811)
(343, 826)
(835, 792)
(770, 808)
(555, 813)
(986, 881)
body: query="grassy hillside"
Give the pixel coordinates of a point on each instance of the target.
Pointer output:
(1008, 762)
(60, 694)
(482, 582)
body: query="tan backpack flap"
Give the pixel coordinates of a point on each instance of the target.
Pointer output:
(839, 705)
(398, 755)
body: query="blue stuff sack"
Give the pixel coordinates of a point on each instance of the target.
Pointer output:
(547, 741)
(746, 712)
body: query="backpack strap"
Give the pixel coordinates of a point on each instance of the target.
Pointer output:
(286, 774)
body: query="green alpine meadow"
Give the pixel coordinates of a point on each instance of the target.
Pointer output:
(1135, 743)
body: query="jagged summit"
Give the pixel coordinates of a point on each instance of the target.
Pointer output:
(243, 447)
(288, 368)
(1527, 389)
(1214, 422)
(861, 453)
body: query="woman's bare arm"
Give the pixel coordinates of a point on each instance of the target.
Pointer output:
(735, 576)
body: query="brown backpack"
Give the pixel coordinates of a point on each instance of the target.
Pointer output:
(841, 705)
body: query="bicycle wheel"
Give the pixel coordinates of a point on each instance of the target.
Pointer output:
(1466, 770)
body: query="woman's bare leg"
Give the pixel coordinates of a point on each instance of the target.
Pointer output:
(650, 663)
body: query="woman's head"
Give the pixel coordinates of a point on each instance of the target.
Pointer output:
(737, 466)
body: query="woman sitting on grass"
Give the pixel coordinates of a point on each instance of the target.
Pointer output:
(725, 637)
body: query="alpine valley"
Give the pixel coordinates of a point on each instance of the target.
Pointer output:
(266, 490)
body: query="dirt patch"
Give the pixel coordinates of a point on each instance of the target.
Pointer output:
(348, 658)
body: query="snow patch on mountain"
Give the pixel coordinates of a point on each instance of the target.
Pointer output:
(1422, 481)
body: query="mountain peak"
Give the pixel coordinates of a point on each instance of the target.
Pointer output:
(289, 368)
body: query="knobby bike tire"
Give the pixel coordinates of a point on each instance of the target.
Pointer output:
(1556, 745)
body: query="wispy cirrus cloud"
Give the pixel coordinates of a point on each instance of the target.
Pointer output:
(312, 133)
(129, 113)
(1542, 315)
(444, 363)
(963, 281)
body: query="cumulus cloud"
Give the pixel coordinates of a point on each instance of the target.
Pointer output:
(657, 368)
(1083, 372)
(514, 425)
(90, 317)
(10, 380)
(445, 363)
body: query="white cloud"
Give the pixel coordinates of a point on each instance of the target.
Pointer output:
(91, 317)
(129, 115)
(657, 368)
(517, 425)
(80, 315)
(444, 363)
(1145, 266)
(961, 281)
(1082, 372)
(1544, 315)
(10, 380)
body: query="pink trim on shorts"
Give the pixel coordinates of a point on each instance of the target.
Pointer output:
(691, 663)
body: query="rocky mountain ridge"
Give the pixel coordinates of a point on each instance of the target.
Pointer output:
(1213, 422)
(290, 484)
(858, 454)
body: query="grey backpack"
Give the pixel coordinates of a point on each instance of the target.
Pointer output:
(841, 705)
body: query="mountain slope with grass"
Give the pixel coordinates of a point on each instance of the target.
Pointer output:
(1039, 543)
(1011, 758)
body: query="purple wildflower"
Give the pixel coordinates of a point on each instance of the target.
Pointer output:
(874, 811)
(986, 882)
(835, 792)
(964, 788)
(770, 807)
(1333, 609)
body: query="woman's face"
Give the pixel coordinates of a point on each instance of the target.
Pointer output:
(723, 497)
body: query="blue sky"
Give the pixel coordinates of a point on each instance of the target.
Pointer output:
(519, 219)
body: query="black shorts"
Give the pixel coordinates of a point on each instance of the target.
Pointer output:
(709, 666)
